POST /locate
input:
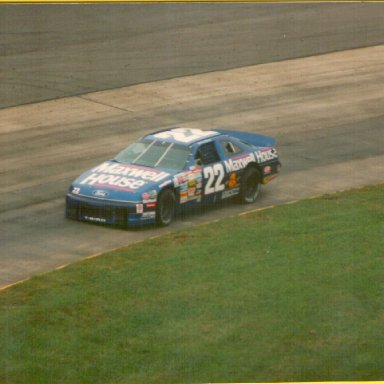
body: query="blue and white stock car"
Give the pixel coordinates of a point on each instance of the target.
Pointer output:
(170, 171)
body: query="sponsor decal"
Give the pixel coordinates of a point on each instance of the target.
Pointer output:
(191, 176)
(149, 197)
(96, 219)
(148, 215)
(232, 182)
(76, 190)
(131, 171)
(126, 177)
(110, 181)
(151, 205)
(184, 135)
(100, 193)
(183, 197)
(230, 193)
(190, 184)
(266, 154)
(238, 163)
(153, 194)
(139, 208)
(214, 176)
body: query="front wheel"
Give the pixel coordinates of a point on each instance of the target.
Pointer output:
(250, 186)
(165, 210)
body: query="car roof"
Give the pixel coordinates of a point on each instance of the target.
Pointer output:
(181, 135)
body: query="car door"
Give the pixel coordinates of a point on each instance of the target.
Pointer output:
(213, 171)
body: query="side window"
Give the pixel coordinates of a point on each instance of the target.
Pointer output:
(230, 149)
(207, 154)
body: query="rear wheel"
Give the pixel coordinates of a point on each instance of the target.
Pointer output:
(250, 186)
(165, 210)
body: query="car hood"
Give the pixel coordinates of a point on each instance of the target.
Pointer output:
(117, 181)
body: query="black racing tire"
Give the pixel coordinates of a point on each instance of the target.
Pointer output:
(165, 209)
(250, 186)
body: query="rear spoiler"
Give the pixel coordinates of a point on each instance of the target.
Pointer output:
(251, 138)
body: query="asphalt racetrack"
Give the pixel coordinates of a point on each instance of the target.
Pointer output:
(56, 50)
(310, 75)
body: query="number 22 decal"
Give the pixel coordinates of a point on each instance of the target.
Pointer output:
(211, 173)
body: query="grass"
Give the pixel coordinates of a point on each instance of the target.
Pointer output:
(294, 293)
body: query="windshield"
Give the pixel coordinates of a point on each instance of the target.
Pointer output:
(155, 154)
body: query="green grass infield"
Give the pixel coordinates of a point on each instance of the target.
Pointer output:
(293, 293)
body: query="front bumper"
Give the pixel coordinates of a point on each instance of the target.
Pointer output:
(108, 212)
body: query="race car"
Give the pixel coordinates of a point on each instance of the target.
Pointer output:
(172, 171)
